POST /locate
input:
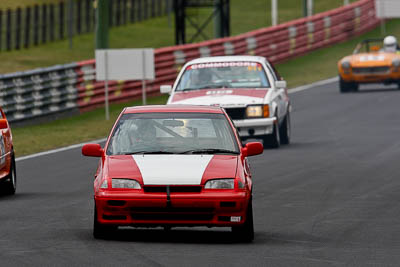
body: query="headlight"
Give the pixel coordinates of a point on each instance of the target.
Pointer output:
(220, 184)
(396, 62)
(104, 184)
(346, 64)
(125, 183)
(257, 111)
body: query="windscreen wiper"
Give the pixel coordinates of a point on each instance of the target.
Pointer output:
(148, 152)
(214, 86)
(189, 89)
(209, 151)
(205, 87)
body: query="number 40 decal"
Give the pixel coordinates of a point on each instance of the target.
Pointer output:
(372, 58)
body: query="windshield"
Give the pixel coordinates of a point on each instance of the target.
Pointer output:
(223, 75)
(172, 133)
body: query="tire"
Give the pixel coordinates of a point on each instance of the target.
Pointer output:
(245, 232)
(273, 140)
(10, 183)
(347, 86)
(285, 130)
(355, 87)
(101, 231)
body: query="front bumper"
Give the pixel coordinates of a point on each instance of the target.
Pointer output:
(183, 209)
(255, 127)
(371, 78)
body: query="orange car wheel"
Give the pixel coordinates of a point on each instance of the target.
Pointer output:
(347, 86)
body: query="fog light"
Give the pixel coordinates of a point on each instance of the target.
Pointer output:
(235, 218)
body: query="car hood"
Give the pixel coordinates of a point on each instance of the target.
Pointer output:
(220, 97)
(172, 169)
(372, 59)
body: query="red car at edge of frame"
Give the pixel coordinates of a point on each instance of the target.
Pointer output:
(173, 166)
(8, 176)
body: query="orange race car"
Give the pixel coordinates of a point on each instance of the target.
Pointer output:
(369, 64)
(8, 177)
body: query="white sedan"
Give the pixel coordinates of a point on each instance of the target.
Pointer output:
(247, 87)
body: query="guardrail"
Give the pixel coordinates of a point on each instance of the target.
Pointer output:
(25, 95)
(50, 90)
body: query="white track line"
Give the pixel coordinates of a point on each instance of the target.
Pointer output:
(291, 91)
(312, 85)
(58, 150)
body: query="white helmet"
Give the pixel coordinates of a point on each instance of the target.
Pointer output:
(390, 44)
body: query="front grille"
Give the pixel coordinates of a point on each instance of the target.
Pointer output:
(171, 209)
(173, 189)
(371, 70)
(172, 213)
(236, 113)
(172, 217)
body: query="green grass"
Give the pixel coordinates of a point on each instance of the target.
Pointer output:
(250, 15)
(4, 4)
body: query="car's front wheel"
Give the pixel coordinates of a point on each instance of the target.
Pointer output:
(273, 140)
(101, 231)
(245, 232)
(10, 182)
(285, 130)
(347, 86)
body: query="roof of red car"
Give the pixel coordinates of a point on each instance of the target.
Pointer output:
(173, 108)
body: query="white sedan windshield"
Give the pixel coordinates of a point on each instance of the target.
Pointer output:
(172, 133)
(223, 75)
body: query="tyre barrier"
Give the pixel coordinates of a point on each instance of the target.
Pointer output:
(40, 92)
(73, 86)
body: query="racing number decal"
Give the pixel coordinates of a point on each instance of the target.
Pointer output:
(372, 58)
(2, 150)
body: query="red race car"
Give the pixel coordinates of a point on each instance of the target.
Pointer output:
(8, 176)
(173, 166)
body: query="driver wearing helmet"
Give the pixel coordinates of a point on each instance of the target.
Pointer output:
(202, 77)
(390, 44)
(146, 131)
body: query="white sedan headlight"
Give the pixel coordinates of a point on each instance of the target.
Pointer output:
(125, 183)
(257, 111)
(254, 111)
(220, 184)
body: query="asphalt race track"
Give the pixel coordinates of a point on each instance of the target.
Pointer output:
(331, 198)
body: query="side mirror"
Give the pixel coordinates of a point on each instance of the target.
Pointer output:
(92, 150)
(280, 84)
(252, 149)
(165, 89)
(3, 124)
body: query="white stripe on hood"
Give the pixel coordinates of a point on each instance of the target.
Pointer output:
(172, 169)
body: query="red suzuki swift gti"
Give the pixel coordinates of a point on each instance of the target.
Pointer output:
(8, 177)
(173, 166)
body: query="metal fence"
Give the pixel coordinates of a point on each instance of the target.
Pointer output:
(39, 24)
